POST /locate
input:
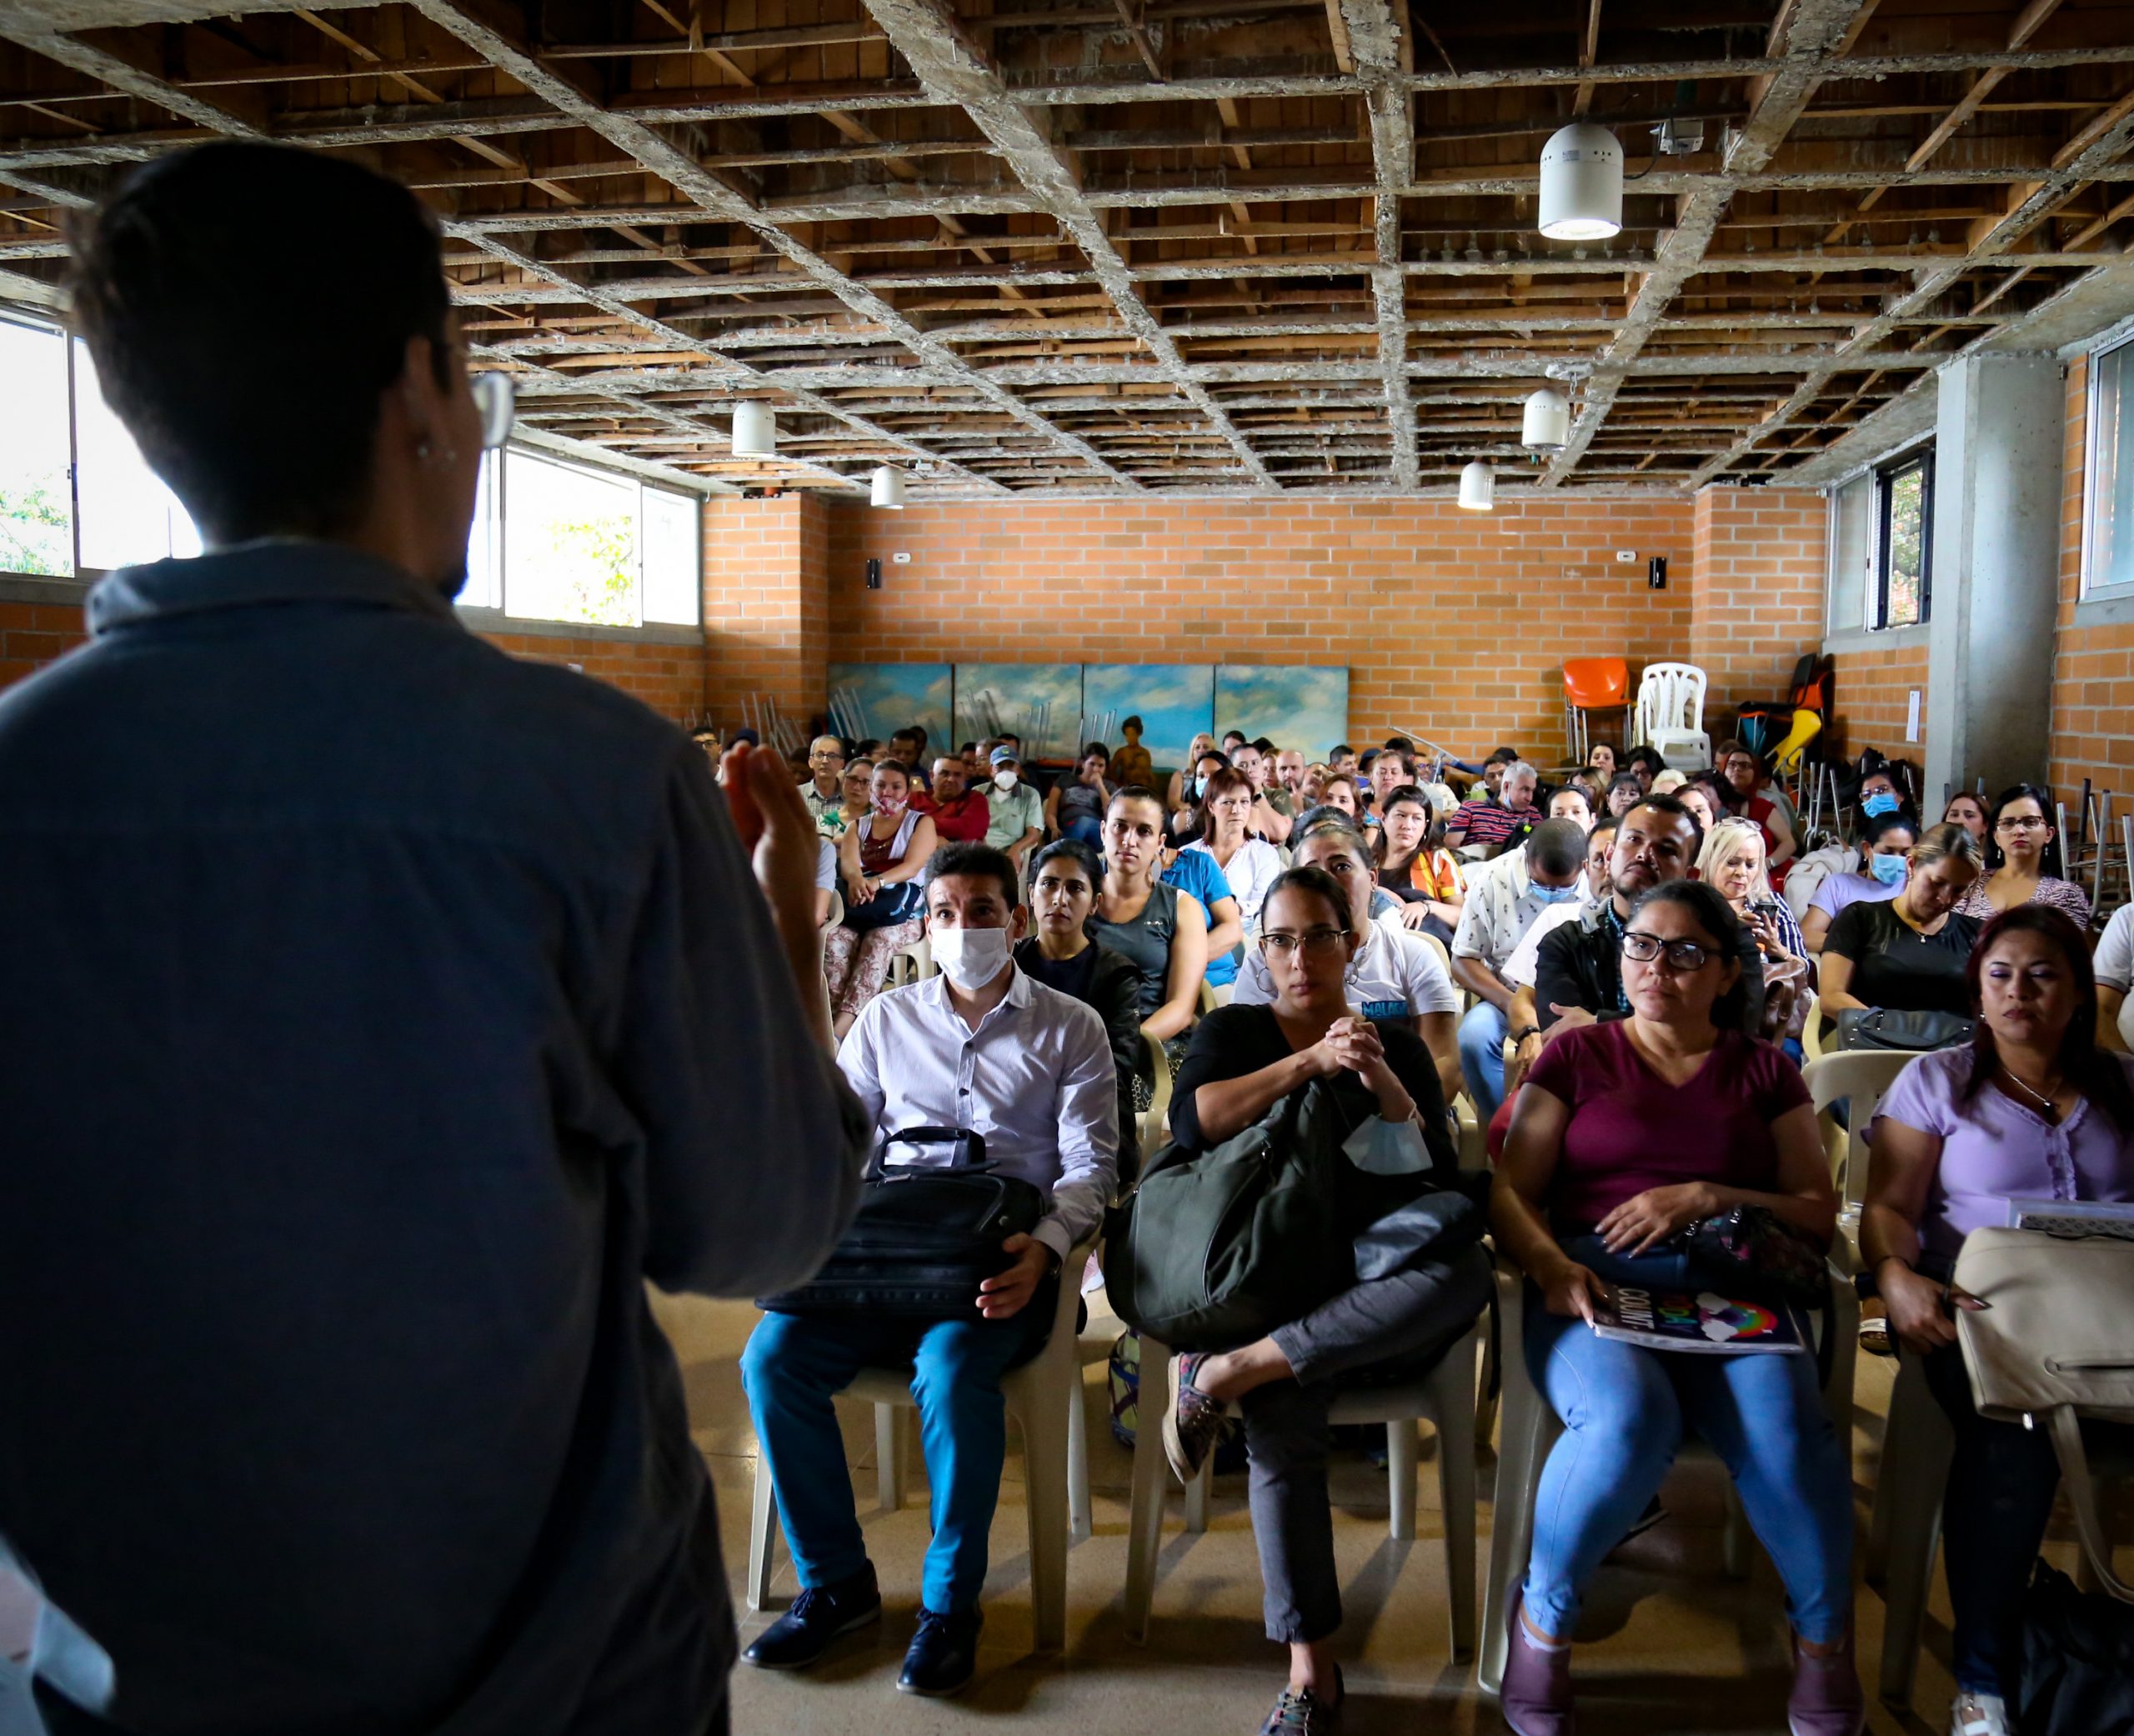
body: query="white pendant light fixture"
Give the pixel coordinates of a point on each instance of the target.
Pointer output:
(1548, 420)
(1581, 183)
(756, 431)
(1478, 487)
(888, 489)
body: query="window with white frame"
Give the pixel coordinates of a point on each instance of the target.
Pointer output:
(37, 512)
(129, 517)
(1882, 536)
(593, 546)
(2108, 484)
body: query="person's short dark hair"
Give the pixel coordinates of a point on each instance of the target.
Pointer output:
(1133, 722)
(1880, 825)
(1625, 780)
(885, 764)
(1337, 750)
(246, 307)
(968, 748)
(908, 733)
(977, 862)
(1096, 750)
(1503, 756)
(1006, 735)
(1400, 759)
(865, 747)
(1556, 847)
(749, 736)
(1644, 754)
(1606, 823)
(1135, 793)
(1665, 803)
(1320, 885)
(1085, 854)
(1264, 744)
(1233, 735)
(1400, 744)
(1740, 1008)
(1367, 759)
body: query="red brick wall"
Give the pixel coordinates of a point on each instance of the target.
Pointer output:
(1455, 624)
(670, 678)
(1874, 690)
(2092, 667)
(766, 571)
(1755, 591)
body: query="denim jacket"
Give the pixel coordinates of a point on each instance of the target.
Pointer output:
(380, 1012)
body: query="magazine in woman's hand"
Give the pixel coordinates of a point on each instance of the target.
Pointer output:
(1704, 1321)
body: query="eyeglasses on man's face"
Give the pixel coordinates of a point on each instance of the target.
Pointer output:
(1681, 954)
(1317, 942)
(826, 757)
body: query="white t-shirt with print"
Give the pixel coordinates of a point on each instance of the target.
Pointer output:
(1395, 976)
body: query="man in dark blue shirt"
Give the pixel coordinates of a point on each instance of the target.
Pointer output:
(380, 1014)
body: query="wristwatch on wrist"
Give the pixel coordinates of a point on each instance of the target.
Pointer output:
(1520, 1035)
(1053, 1261)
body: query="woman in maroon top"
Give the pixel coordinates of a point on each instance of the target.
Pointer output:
(1625, 1134)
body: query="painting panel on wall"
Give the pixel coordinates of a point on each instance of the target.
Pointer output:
(1292, 706)
(888, 697)
(1175, 702)
(1039, 702)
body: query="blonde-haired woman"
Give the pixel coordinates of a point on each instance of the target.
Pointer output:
(1732, 862)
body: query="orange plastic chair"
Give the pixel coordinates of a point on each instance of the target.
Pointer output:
(1592, 683)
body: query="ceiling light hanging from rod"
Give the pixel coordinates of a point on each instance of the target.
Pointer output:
(1581, 183)
(1478, 487)
(756, 431)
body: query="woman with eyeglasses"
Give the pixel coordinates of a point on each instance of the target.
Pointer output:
(2032, 1107)
(1626, 1133)
(2023, 861)
(1907, 953)
(1065, 878)
(1244, 1061)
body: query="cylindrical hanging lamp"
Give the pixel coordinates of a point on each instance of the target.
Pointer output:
(1548, 420)
(756, 431)
(1581, 183)
(888, 488)
(1478, 487)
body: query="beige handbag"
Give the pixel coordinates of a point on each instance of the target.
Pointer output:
(2057, 1345)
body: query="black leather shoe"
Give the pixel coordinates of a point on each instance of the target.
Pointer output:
(943, 1654)
(817, 1618)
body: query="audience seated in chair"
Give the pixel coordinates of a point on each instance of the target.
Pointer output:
(1339, 791)
(1162, 932)
(1182, 822)
(1503, 901)
(1272, 809)
(1626, 1133)
(1572, 802)
(1394, 975)
(1064, 879)
(907, 747)
(1073, 807)
(2024, 861)
(882, 855)
(982, 1045)
(1752, 794)
(1625, 793)
(1970, 812)
(1887, 842)
(1731, 861)
(1602, 759)
(1243, 1061)
(2031, 1108)
(1908, 952)
(2114, 965)
(1178, 793)
(1018, 811)
(1521, 969)
(1223, 831)
(959, 813)
(1414, 864)
(1487, 822)
(1391, 770)
(824, 790)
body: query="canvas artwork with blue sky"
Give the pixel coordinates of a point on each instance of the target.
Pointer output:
(1175, 703)
(892, 695)
(1039, 702)
(1294, 707)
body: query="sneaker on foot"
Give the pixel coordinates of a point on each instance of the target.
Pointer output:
(1300, 1712)
(1826, 1699)
(818, 1616)
(1979, 1714)
(943, 1654)
(1535, 1698)
(1194, 1423)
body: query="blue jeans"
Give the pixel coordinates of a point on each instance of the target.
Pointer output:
(1090, 831)
(1482, 1033)
(1626, 1409)
(793, 1367)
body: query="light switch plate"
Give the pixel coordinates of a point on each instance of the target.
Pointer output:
(901, 558)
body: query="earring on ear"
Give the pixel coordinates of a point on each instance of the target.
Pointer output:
(422, 450)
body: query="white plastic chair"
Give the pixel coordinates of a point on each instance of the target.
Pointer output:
(1043, 1395)
(1670, 714)
(914, 964)
(1531, 1429)
(1865, 1076)
(1445, 1397)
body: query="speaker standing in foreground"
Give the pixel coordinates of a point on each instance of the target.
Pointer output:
(391, 1011)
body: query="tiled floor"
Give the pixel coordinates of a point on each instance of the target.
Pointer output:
(1670, 1646)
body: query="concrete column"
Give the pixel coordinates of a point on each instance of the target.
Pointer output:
(1995, 573)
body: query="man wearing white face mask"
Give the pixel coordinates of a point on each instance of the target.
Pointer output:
(982, 1047)
(1017, 821)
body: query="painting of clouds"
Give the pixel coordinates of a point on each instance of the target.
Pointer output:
(889, 696)
(1292, 707)
(1175, 702)
(1039, 702)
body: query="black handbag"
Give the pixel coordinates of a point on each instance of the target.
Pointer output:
(2077, 1673)
(1752, 1253)
(1887, 1027)
(923, 1238)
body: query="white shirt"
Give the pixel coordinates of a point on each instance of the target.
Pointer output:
(1394, 975)
(1036, 1079)
(1524, 967)
(2114, 965)
(1249, 872)
(1502, 903)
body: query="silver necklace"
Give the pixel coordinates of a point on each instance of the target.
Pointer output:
(2041, 1099)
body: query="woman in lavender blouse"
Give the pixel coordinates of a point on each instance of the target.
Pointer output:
(2032, 1109)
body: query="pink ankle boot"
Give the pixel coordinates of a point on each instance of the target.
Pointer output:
(1535, 1699)
(1826, 1697)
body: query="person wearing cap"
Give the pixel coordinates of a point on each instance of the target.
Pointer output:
(1016, 821)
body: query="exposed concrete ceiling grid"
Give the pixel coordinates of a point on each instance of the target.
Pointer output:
(1118, 246)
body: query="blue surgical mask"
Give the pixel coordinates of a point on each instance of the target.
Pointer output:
(1201, 784)
(1555, 894)
(1887, 869)
(1881, 802)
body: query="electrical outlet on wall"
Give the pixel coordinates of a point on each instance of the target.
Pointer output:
(901, 558)
(1626, 556)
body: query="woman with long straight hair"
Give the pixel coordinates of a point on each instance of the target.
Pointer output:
(2023, 860)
